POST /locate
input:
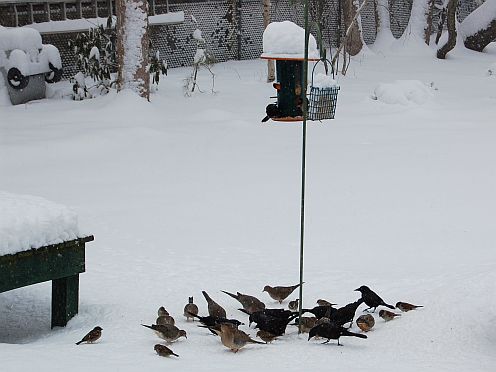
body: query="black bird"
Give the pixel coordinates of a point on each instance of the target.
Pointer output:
(275, 325)
(276, 313)
(371, 298)
(272, 111)
(321, 311)
(211, 321)
(331, 332)
(346, 313)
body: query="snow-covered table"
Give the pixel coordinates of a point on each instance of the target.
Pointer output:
(40, 241)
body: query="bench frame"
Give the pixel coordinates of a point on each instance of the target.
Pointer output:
(61, 263)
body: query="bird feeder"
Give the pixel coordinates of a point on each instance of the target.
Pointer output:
(283, 43)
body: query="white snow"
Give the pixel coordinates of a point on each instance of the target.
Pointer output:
(197, 35)
(321, 80)
(69, 25)
(28, 222)
(479, 19)
(19, 59)
(287, 40)
(25, 39)
(199, 56)
(190, 194)
(94, 53)
(166, 18)
(403, 92)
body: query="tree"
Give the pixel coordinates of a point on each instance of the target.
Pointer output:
(132, 46)
(383, 22)
(420, 23)
(271, 72)
(479, 28)
(353, 42)
(451, 16)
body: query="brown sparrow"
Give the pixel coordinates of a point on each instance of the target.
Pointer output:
(91, 336)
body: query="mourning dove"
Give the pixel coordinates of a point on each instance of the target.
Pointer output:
(165, 319)
(162, 312)
(280, 293)
(235, 339)
(167, 332)
(91, 336)
(189, 309)
(266, 336)
(250, 303)
(214, 309)
(322, 302)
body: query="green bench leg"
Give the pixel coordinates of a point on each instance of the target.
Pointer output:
(65, 299)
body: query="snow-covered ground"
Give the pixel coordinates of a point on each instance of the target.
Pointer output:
(190, 194)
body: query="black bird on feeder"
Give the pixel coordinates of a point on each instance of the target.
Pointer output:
(272, 111)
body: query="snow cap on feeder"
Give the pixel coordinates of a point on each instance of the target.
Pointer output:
(286, 41)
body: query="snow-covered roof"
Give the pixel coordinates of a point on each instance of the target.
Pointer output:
(28, 222)
(286, 40)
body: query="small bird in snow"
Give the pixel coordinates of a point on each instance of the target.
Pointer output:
(250, 303)
(164, 351)
(214, 309)
(167, 332)
(91, 336)
(332, 332)
(388, 315)
(280, 293)
(365, 322)
(266, 336)
(405, 306)
(293, 305)
(371, 298)
(189, 309)
(307, 323)
(322, 302)
(234, 339)
(272, 111)
(162, 312)
(165, 319)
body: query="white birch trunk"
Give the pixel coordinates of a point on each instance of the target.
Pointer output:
(271, 72)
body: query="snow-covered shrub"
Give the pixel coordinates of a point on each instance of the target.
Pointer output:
(157, 67)
(403, 92)
(202, 58)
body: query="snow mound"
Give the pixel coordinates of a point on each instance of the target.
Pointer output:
(26, 39)
(32, 222)
(403, 92)
(324, 81)
(287, 39)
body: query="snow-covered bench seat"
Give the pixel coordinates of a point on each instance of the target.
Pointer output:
(40, 241)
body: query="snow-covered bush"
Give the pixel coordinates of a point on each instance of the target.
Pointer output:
(157, 67)
(202, 58)
(403, 92)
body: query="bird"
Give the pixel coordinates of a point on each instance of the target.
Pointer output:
(275, 325)
(331, 331)
(162, 312)
(388, 315)
(307, 323)
(164, 351)
(405, 306)
(167, 332)
(371, 298)
(272, 111)
(250, 303)
(293, 305)
(235, 339)
(91, 336)
(346, 313)
(189, 309)
(322, 302)
(266, 336)
(214, 309)
(280, 293)
(211, 321)
(165, 319)
(320, 311)
(365, 322)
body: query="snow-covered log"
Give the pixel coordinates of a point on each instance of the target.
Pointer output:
(132, 46)
(479, 28)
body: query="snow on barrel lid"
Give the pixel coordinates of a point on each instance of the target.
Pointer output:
(28, 222)
(286, 40)
(26, 39)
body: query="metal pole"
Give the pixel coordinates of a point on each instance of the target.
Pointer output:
(303, 160)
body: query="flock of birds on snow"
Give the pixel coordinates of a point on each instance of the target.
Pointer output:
(327, 322)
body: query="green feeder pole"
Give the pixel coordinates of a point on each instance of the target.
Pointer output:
(304, 140)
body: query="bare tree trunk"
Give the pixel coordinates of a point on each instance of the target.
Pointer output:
(479, 28)
(440, 25)
(450, 44)
(353, 40)
(428, 28)
(271, 72)
(132, 46)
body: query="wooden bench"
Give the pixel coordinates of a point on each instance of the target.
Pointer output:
(61, 263)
